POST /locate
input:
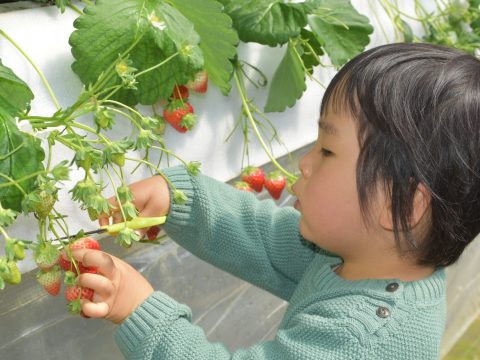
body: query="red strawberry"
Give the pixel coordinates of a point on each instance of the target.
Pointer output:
(83, 243)
(86, 243)
(180, 92)
(242, 185)
(67, 265)
(46, 255)
(77, 292)
(74, 294)
(275, 183)
(254, 176)
(51, 280)
(200, 83)
(180, 115)
(64, 263)
(152, 233)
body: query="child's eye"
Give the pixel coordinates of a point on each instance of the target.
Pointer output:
(326, 152)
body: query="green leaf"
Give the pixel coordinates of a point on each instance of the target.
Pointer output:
(264, 21)
(109, 28)
(288, 83)
(22, 155)
(343, 31)
(312, 50)
(218, 38)
(15, 95)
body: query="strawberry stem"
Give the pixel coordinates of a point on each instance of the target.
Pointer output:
(4, 233)
(246, 107)
(157, 65)
(116, 193)
(39, 72)
(158, 171)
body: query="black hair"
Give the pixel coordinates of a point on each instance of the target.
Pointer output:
(417, 108)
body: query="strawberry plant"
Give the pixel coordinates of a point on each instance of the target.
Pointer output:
(159, 53)
(451, 23)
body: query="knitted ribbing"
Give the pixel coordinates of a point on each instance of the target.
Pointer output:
(327, 317)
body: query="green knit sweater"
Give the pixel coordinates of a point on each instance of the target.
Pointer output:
(327, 317)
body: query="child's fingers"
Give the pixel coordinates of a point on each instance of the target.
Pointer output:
(96, 258)
(95, 309)
(103, 288)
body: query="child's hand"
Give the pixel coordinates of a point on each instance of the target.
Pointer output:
(151, 199)
(118, 288)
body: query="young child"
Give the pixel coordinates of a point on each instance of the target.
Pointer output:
(387, 198)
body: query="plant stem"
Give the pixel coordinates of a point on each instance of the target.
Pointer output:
(159, 172)
(89, 129)
(13, 182)
(4, 233)
(126, 115)
(157, 66)
(76, 9)
(22, 179)
(116, 194)
(39, 72)
(246, 107)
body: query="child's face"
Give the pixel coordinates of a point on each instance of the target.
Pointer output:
(327, 189)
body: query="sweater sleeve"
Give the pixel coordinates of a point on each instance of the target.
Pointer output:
(160, 328)
(254, 240)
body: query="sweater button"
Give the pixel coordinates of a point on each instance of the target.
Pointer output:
(392, 287)
(383, 312)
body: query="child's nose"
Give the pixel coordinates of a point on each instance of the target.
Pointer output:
(305, 165)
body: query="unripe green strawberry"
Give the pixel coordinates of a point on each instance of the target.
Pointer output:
(19, 250)
(118, 159)
(160, 125)
(9, 272)
(51, 280)
(40, 201)
(104, 119)
(46, 255)
(46, 205)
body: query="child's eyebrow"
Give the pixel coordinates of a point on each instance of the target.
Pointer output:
(330, 129)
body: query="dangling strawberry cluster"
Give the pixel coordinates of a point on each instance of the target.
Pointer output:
(55, 265)
(178, 112)
(254, 178)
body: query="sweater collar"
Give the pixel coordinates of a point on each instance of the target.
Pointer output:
(431, 288)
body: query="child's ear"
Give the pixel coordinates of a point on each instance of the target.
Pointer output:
(421, 204)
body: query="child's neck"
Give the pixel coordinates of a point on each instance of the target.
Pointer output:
(356, 270)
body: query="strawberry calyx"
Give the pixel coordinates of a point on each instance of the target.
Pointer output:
(188, 121)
